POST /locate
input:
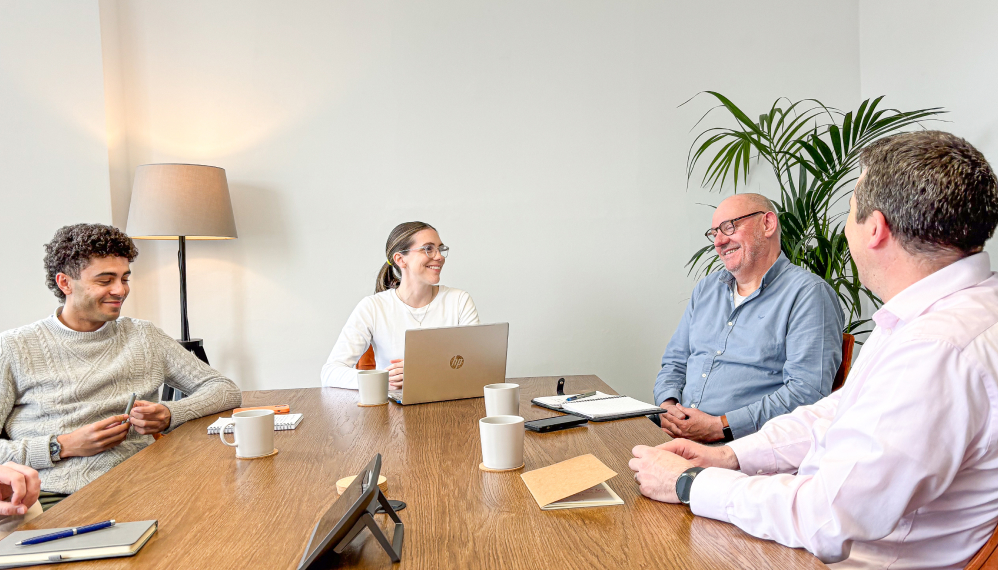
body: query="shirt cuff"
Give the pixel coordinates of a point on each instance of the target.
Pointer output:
(755, 455)
(741, 423)
(38, 454)
(711, 492)
(668, 393)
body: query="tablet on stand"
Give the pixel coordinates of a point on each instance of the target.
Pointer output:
(351, 513)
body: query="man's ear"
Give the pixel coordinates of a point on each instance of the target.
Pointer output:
(771, 222)
(878, 228)
(64, 283)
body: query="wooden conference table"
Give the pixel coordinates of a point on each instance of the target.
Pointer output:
(216, 511)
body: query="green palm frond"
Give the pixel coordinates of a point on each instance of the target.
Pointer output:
(814, 152)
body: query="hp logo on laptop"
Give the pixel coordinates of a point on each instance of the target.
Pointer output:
(457, 362)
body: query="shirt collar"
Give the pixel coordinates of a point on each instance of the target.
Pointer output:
(774, 271)
(922, 294)
(62, 325)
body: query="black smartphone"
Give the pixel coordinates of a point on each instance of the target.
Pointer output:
(554, 424)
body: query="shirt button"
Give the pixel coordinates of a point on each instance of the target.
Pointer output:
(703, 375)
(719, 352)
(694, 406)
(730, 324)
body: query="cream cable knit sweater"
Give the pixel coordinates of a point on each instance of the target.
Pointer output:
(54, 380)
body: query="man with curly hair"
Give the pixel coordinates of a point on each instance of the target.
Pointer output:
(65, 379)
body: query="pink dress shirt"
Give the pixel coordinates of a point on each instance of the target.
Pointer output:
(899, 468)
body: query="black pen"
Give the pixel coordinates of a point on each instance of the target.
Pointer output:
(580, 396)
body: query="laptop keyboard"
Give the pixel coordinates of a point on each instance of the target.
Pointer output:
(395, 395)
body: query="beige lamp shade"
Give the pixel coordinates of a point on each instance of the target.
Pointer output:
(172, 200)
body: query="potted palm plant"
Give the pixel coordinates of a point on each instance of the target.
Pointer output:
(814, 152)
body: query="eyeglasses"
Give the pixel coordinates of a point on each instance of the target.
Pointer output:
(430, 250)
(728, 227)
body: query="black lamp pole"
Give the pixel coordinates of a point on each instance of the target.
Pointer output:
(195, 345)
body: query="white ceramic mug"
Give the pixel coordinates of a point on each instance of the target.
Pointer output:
(254, 433)
(373, 386)
(502, 400)
(502, 441)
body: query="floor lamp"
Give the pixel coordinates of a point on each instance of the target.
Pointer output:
(181, 202)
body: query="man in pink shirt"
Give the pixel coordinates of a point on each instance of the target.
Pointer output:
(898, 469)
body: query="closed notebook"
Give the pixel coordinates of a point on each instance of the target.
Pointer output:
(571, 484)
(281, 423)
(600, 407)
(122, 539)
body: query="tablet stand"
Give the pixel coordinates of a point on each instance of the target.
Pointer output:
(393, 548)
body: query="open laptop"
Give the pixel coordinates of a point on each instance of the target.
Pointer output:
(451, 363)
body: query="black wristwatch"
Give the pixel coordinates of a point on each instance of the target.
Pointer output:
(685, 482)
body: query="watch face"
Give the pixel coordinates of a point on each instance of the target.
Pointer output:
(683, 487)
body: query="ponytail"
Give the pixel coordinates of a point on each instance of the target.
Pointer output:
(386, 279)
(399, 240)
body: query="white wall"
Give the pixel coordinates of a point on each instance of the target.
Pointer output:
(932, 54)
(543, 140)
(53, 155)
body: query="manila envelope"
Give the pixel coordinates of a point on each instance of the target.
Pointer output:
(555, 482)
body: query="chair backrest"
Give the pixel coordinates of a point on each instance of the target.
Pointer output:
(367, 361)
(987, 557)
(848, 343)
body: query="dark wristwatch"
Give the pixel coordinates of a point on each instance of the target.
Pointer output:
(726, 430)
(55, 449)
(685, 482)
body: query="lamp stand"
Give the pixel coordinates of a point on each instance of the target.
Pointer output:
(195, 345)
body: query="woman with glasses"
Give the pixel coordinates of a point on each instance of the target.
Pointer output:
(407, 295)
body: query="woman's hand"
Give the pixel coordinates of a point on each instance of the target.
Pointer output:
(395, 374)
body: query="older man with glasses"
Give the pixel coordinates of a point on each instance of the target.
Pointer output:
(758, 338)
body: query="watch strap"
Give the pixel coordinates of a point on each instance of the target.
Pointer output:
(726, 430)
(684, 484)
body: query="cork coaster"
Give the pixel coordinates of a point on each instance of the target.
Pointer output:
(343, 483)
(271, 454)
(359, 405)
(490, 470)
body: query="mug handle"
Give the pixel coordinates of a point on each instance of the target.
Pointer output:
(221, 433)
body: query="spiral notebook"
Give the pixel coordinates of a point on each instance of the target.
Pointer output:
(281, 422)
(600, 407)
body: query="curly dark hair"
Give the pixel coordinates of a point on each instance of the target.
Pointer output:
(72, 248)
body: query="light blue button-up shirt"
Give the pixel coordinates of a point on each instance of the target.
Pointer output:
(778, 350)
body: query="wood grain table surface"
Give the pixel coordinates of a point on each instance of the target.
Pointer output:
(219, 512)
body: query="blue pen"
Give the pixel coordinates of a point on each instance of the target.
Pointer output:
(65, 533)
(580, 396)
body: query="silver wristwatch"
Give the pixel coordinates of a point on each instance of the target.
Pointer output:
(55, 449)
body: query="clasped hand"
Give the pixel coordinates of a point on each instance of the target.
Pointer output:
(656, 469)
(690, 423)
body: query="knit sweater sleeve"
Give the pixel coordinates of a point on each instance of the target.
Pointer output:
(30, 451)
(208, 392)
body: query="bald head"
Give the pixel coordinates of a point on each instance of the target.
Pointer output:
(743, 204)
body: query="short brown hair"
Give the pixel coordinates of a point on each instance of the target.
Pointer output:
(936, 191)
(72, 248)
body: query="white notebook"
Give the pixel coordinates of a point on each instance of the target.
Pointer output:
(281, 423)
(600, 406)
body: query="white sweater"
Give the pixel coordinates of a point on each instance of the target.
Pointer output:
(381, 321)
